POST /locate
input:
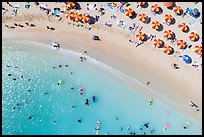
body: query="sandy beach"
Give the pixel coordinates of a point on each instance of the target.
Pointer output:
(144, 63)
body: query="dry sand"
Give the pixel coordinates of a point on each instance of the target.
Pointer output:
(144, 63)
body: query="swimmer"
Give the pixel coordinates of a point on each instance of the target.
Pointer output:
(17, 104)
(53, 67)
(79, 121)
(59, 83)
(29, 90)
(150, 101)
(121, 128)
(85, 52)
(21, 76)
(146, 125)
(66, 65)
(46, 93)
(29, 79)
(152, 130)
(116, 118)
(81, 91)
(184, 127)
(9, 75)
(128, 128)
(148, 83)
(73, 106)
(60, 66)
(71, 72)
(14, 78)
(29, 117)
(14, 107)
(54, 121)
(72, 88)
(86, 102)
(7, 66)
(94, 98)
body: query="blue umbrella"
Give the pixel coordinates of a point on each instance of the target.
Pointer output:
(186, 58)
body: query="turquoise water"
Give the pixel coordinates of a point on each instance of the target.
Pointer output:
(113, 99)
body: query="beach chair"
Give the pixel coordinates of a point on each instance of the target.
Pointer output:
(122, 10)
(109, 5)
(192, 23)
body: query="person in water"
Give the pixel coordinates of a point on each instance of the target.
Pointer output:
(94, 98)
(86, 102)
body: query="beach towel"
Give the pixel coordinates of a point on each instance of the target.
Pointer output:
(56, 12)
(122, 10)
(192, 23)
(109, 5)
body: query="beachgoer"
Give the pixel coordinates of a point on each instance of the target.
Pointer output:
(152, 130)
(73, 106)
(79, 120)
(128, 128)
(86, 102)
(94, 98)
(146, 125)
(60, 66)
(30, 117)
(9, 75)
(121, 128)
(71, 72)
(148, 83)
(14, 78)
(54, 121)
(66, 65)
(72, 88)
(85, 52)
(46, 93)
(116, 118)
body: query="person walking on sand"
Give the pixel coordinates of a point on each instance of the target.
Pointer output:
(148, 83)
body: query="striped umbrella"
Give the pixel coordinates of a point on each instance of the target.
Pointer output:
(141, 3)
(198, 49)
(140, 35)
(167, 49)
(168, 34)
(181, 44)
(129, 12)
(70, 4)
(183, 27)
(193, 36)
(177, 9)
(157, 42)
(168, 18)
(78, 17)
(168, 4)
(142, 17)
(85, 18)
(155, 25)
(69, 15)
(155, 8)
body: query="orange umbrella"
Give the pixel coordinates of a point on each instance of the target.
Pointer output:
(193, 36)
(168, 34)
(85, 18)
(155, 8)
(155, 25)
(77, 17)
(183, 27)
(177, 9)
(69, 15)
(168, 18)
(157, 42)
(167, 49)
(140, 35)
(198, 49)
(168, 4)
(129, 12)
(141, 3)
(142, 17)
(181, 44)
(70, 4)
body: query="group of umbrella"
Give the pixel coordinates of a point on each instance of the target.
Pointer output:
(168, 34)
(76, 16)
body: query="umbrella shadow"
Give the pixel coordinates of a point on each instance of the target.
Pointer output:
(171, 51)
(146, 38)
(162, 45)
(146, 5)
(77, 6)
(133, 16)
(160, 11)
(197, 39)
(181, 13)
(173, 21)
(171, 7)
(148, 20)
(161, 27)
(188, 29)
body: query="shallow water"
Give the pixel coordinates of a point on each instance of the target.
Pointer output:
(113, 99)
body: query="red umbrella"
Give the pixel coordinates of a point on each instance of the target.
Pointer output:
(77, 17)
(168, 18)
(167, 49)
(69, 15)
(155, 25)
(155, 8)
(168, 34)
(142, 17)
(183, 27)
(141, 3)
(198, 49)
(181, 44)
(193, 36)
(85, 18)
(129, 12)
(140, 35)
(157, 42)
(70, 4)
(177, 9)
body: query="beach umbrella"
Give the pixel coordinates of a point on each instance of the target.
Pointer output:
(195, 11)
(168, 18)
(70, 4)
(157, 42)
(198, 49)
(181, 44)
(69, 15)
(168, 34)
(78, 17)
(140, 35)
(155, 8)
(183, 27)
(167, 49)
(129, 12)
(193, 36)
(85, 18)
(186, 58)
(168, 4)
(142, 17)
(155, 25)
(141, 3)
(177, 9)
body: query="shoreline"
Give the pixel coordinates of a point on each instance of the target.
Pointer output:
(141, 63)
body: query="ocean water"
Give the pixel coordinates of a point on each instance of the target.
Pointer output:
(46, 101)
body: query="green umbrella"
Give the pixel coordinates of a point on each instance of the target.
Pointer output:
(195, 11)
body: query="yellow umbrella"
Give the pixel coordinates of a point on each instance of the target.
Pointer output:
(70, 4)
(193, 36)
(155, 8)
(129, 12)
(177, 9)
(181, 44)
(155, 25)
(142, 17)
(168, 18)
(85, 18)
(141, 3)
(198, 49)
(69, 15)
(168, 34)
(167, 49)
(157, 42)
(183, 27)
(78, 17)
(140, 35)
